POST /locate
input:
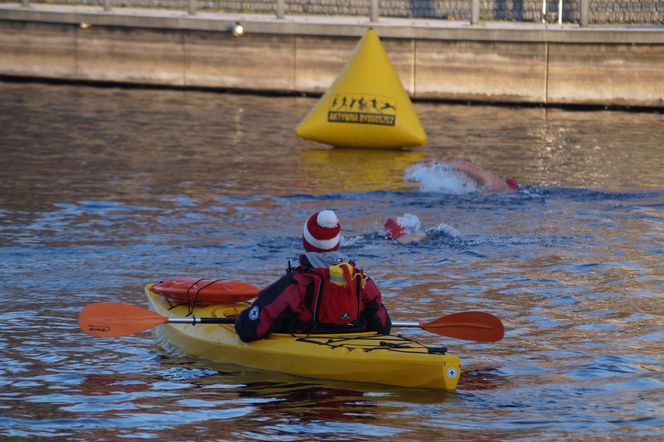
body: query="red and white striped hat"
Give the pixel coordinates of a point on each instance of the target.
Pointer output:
(321, 232)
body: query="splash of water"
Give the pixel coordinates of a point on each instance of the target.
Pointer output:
(446, 229)
(437, 177)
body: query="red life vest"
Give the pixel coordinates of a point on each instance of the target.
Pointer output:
(334, 297)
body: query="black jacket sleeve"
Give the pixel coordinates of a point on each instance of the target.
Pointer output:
(271, 311)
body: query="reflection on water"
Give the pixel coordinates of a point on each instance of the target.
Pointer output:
(103, 190)
(362, 169)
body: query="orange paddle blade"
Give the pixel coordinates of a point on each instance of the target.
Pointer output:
(470, 326)
(112, 319)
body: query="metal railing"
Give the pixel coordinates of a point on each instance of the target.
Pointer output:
(374, 10)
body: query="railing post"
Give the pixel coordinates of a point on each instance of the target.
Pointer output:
(560, 12)
(25, 3)
(192, 7)
(585, 12)
(281, 9)
(374, 11)
(107, 5)
(474, 12)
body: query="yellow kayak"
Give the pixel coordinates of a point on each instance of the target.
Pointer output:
(357, 357)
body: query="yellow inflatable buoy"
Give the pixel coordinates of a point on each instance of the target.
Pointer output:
(366, 106)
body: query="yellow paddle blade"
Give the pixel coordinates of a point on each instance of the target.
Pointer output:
(113, 319)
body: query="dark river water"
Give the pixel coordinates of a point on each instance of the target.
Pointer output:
(105, 189)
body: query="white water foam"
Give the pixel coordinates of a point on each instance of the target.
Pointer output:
(436, 177)
(447, 230)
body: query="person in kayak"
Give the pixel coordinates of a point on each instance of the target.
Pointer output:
(325, 293)
(489, 182)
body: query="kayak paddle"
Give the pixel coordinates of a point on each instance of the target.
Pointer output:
(113, 319)
(469, 326)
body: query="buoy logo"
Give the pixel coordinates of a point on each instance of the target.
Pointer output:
(362, 109)
(452, 372)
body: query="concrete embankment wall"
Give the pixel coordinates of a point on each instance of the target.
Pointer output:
(599, 11)
(446, 61)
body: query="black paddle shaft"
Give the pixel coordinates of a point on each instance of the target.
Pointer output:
(194, 320)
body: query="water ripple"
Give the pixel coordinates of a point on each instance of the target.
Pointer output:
(571, 264)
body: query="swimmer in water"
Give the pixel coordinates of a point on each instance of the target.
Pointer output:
(407, 229)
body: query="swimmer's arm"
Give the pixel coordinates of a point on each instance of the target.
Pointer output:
(488, 181)
(412, 237)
